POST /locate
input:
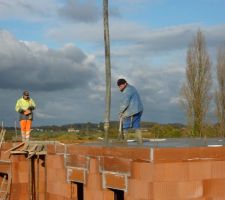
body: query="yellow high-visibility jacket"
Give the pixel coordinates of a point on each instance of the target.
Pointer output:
(22, 105)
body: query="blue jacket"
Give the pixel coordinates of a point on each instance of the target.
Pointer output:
(131, 102)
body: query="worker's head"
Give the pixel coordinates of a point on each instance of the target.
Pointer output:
(122, 83)
(26, 94)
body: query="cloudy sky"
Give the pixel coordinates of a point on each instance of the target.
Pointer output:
(55, 49)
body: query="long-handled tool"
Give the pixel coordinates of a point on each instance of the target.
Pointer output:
(121, 135)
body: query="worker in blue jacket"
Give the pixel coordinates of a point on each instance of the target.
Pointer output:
(131, 109)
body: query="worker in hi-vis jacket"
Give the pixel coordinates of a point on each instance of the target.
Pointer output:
(25, 106)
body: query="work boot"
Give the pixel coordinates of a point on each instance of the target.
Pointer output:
(23, 136)
(139, 136)
(120, 137)
(125, 136)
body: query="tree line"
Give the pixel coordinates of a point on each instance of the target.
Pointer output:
(196, 90)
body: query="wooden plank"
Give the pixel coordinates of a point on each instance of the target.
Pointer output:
(2, 135)
(18, 152)
(16, 147)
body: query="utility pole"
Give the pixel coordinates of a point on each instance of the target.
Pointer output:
(107, 69)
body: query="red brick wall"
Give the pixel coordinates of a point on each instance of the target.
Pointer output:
(143, 173)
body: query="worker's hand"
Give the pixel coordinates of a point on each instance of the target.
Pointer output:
(121, 115)
(27, 112)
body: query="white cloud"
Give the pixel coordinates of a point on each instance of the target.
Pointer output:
(175, 100)
(27, 10)
(69, 82)
(29, 64)
(44, 116)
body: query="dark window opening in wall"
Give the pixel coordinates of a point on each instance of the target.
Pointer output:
(118, 194)
(80, 191)
(2, 174)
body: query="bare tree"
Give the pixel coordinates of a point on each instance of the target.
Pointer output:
(220, 93)
(195, 90)
(107, 69)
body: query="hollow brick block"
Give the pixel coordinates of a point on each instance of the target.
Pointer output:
(93, 195)
(139, 189)
(214, 188)
(172, 171)
(94, 181)
(218, 169)
(142, 171)
(199, 170)
(177, 190)
(55, 162)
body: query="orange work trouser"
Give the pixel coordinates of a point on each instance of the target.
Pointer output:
(25, 126)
